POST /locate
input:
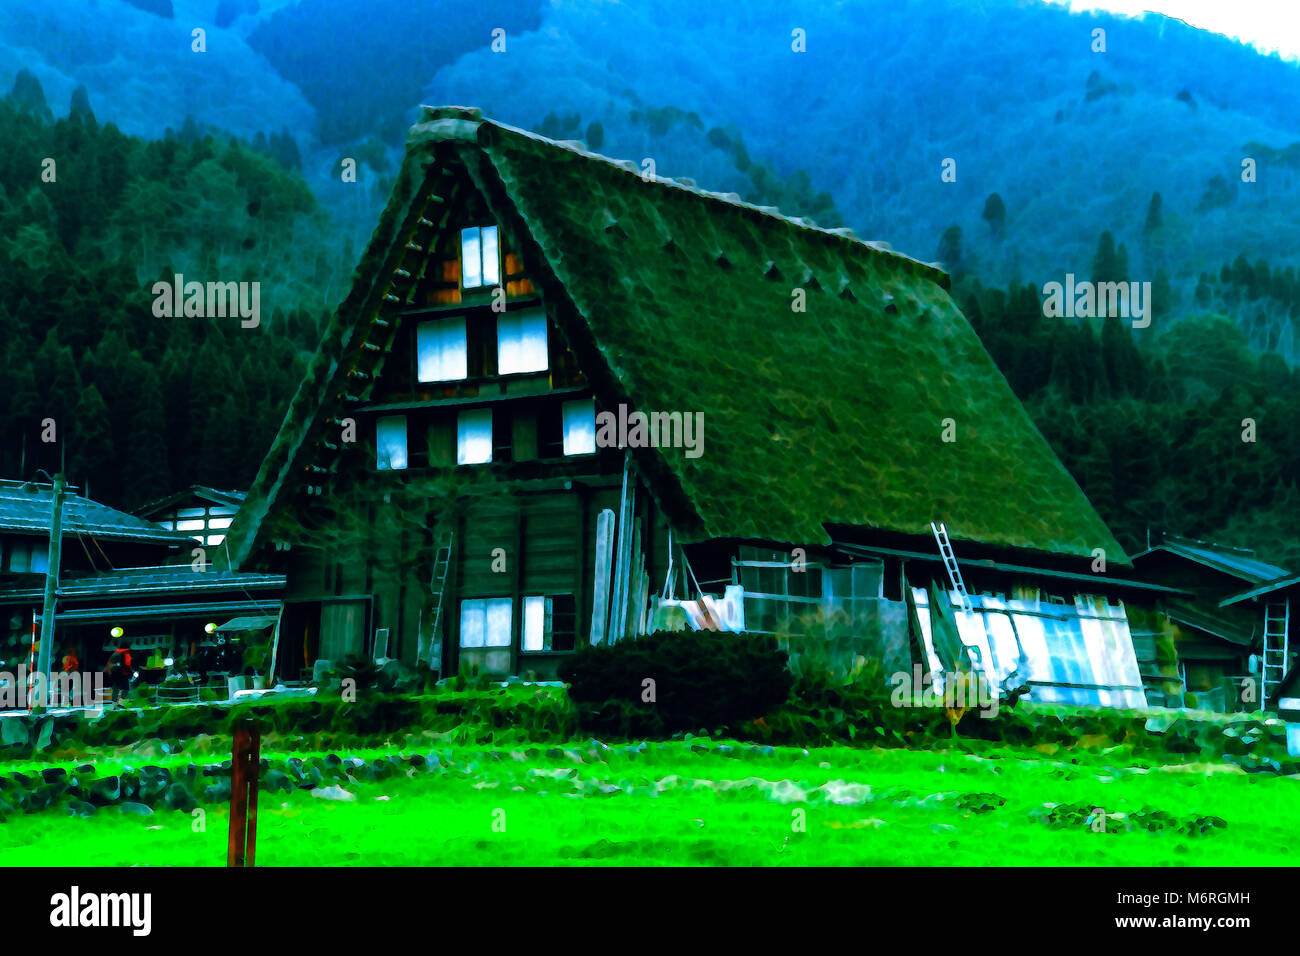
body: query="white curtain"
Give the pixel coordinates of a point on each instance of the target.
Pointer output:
(521, 342)
(390, 442)
(474, 437)
(442, 350)
(580, 427)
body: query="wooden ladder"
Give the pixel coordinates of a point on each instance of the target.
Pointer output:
(950, 564)
(438, 587)
(1277, 621)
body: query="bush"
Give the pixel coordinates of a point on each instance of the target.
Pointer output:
(702, 680)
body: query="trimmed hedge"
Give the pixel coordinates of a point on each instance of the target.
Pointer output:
(676, 681)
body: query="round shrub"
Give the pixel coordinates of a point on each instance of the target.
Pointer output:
(675, 681)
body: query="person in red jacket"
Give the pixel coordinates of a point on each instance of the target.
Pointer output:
(118, 671)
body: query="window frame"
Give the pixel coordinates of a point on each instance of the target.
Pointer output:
(548, 622)
(483, 605)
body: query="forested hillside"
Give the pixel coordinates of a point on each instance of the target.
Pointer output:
(140, 404)
(224, 164)
(1073, 139)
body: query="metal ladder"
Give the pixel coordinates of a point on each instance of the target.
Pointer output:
(1277, 620)
(950, 563)
(438, 587)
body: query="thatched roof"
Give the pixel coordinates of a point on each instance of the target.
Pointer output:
(830, 415)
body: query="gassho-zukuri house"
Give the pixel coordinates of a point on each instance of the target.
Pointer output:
(461, 480)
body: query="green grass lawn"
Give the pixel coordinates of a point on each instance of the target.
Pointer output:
(688, 803)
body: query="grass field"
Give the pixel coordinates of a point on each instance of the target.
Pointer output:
(701, 802)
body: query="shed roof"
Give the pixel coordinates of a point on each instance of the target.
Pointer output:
(1235, 562)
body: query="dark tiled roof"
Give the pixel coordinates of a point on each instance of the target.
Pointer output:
(28, 507)
(167, 580)
(832, 415)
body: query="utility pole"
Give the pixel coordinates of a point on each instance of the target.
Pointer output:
(52, 580)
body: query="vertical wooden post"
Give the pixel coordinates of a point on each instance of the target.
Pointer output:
(245, 762)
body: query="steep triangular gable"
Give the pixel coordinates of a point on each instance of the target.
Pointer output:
(680, 300)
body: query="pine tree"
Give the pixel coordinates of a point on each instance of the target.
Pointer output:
(1154, 217)
(995, 214)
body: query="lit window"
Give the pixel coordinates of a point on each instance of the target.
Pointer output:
(580, 427)
(474, 437)
(216, 538)
(192, 525)
(480, 257)
(390, 442)
(442, 350)
(485, 622)
(549, 623)
(521, 342)
(220, 522)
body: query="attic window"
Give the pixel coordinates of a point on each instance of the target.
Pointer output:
(480, 255)
(722, 260)
(771, 271)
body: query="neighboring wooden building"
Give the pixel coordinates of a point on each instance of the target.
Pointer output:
(447, 484)
(1229, 600)
(203, 513)
(116, 569)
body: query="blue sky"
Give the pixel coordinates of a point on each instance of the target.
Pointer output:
(1267, 24)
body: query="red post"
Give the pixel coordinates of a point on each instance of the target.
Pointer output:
(245, 761)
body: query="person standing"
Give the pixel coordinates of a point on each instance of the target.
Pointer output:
(118, 671)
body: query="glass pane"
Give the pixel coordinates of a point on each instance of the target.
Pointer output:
(580, 427)
(40, 558)
(491, 257)
(390, 443)
(521, 342)
(470, 257)
(472, 622)
(194, 525)
(474, 437)
(219, 522)
(442, 353)
(534, 623)
(498, 622)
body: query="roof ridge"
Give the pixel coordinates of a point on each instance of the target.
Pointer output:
(448, 123)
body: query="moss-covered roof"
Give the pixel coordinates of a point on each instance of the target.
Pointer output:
(830, 415)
